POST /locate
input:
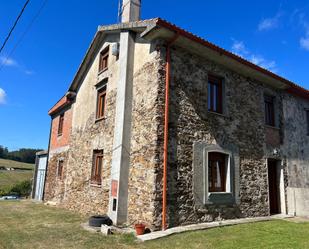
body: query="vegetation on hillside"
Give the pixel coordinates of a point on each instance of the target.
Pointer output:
(15, 181)
(22, 155)
(6, 163)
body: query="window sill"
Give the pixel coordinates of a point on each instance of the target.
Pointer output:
(272, 127)
(219, 193)
(218, 113)
(96, 185)
(220, 198)
(99, 119)
(102, 71)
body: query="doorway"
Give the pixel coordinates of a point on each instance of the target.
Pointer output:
(273, 187)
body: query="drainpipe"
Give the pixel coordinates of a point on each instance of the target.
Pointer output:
(166, 113)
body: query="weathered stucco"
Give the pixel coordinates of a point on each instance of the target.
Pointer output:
(296, 152)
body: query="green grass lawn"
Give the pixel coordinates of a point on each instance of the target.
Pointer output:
(28, 225)
(12, 164)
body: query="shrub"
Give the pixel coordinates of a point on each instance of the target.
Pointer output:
(22, 188)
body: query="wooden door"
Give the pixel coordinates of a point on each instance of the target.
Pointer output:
(273, 187)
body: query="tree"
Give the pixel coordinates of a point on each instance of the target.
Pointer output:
(22, 155)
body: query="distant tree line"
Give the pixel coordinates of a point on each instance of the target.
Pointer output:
(22, 155)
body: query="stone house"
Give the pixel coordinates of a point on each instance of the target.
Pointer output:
(163, 127)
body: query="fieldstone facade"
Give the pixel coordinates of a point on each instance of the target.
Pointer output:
(240, 132)
(242, 124)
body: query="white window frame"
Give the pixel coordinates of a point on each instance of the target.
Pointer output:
(228, 176)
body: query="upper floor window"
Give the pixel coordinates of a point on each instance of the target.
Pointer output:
(96, 172)
(60, 169)
(269, 102)
(214, 94)
(217, 172)
(103, 63)
(60, 125)
(101, 98)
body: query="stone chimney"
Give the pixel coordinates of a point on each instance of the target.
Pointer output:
(131, 10)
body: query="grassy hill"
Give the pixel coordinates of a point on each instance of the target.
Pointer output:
(10, 178)
(14, 164)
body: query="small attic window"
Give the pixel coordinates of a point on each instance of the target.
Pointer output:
(103, 63)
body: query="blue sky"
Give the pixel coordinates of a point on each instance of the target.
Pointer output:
(272, 33)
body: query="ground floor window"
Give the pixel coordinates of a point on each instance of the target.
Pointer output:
(96, 173)
(215, 174)
(60, 169)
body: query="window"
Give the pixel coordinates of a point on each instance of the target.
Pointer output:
(269, 110)
(96, 173)
(60, 169)
(103, 63)
(101, 98)
(216, 172)
(307, 112)
(60, 125)
(214, 94)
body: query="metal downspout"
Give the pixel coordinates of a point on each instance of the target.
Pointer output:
(166, 120)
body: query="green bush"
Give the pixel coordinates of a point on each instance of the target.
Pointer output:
(21, 189)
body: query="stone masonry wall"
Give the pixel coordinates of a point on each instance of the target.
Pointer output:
(242, 125)
(54, 186)
(75, 191)
(145, 142)
(87, 134)
(80, 194)
(58, 150)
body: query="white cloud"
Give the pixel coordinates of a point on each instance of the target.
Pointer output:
(239, 48)
(262, 62)
(9, 62)
(2, 96)
(29, 72)
(270, 23)
(304, 43)
(298, 18)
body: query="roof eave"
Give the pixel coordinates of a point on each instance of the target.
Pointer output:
(165, 30)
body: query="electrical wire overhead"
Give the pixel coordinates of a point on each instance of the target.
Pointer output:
(25, 32)
(14, 25)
